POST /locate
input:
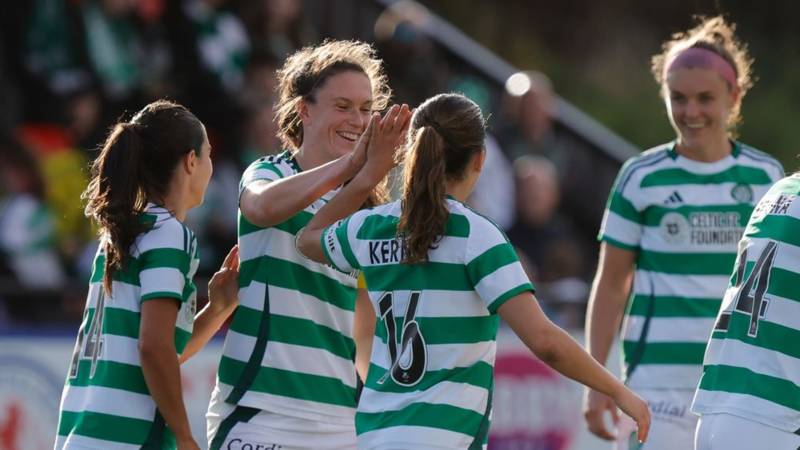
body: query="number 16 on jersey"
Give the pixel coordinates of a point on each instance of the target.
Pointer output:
(409, 364)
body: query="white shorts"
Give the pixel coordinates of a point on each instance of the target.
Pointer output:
(672, 423)
(729, 432)
(232, 427)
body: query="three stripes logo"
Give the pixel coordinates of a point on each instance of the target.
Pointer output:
(674, 199)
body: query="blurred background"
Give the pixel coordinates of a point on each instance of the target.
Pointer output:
(566, 86)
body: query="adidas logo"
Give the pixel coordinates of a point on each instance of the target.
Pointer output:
(674, 198)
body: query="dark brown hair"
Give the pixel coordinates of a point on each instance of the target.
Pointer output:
(445, 132)
(308, 69)
(718, 36)
(135, 165)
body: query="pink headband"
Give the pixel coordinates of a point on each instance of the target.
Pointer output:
(704, 59)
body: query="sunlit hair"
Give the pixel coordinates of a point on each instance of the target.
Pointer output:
(718, 36)
(307, 70)
(445, 132)
(135, 165)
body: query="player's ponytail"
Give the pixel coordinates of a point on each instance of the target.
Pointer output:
(424, 211)
(114, 193)
(446, 131)
(135, 165)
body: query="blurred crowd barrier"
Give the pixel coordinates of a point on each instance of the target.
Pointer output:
(534, 407)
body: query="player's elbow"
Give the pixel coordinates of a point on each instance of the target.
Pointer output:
(304, 244)
(260, 207)
(258, 214)
(546, 344)
(152, 350)
(308, 244)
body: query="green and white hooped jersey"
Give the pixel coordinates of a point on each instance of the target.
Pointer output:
(430, 377)
(289, 349)
(105, 403)
(683, 218)
(752, 364)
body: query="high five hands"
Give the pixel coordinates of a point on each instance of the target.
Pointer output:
(378, 148)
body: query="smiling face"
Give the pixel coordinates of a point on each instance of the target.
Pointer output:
(699, 103)
(337, 114)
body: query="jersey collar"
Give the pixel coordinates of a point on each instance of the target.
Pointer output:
(736, 149)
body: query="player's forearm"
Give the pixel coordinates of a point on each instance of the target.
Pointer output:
(272, 203)
(553, 345)
(346, 202)
(561, 352)
(206, 324)
(163, 378)
(603, 317)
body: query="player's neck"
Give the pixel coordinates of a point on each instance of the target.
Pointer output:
(308, 159)
(459, 190)
(710, 151)
(175, 202)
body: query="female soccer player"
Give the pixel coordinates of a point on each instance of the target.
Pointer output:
(438, 276)
(748, 393)
(286, 378)
(123, 390)
(668, 238)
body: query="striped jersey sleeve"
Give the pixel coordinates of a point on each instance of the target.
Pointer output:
(623, 222)
(267, 168)
(165, 257)
(492, 265)
(337, 242)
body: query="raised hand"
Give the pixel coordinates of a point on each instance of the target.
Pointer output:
(359, 155)
(386, 140)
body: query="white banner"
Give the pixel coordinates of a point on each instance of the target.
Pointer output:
(534, 408)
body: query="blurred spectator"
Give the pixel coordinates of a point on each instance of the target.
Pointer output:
(260, 81)
(400, 39)
(548, 240)
(114, 46)
(54, 64)
(63, 166)
(539, 230)
(209, 51)
(221, 41)
(494, 195)
(260, 132)
(526, 123)
(257, 98)
(278, 27)
(27, 232)
(9, 93)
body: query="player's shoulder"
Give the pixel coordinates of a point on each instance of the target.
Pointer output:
(164, 231)
(376, 219)
(760, 158)
(281, 164)
(649, 161)
(466, 222)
